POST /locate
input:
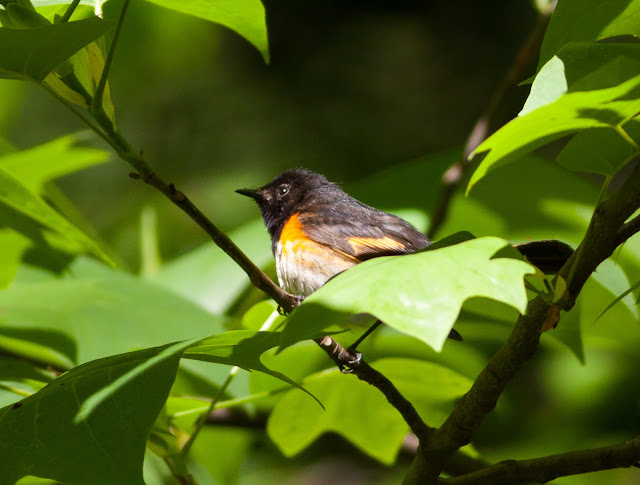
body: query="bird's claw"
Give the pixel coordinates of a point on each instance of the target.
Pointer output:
(357, 357)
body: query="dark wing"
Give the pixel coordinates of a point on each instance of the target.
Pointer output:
(360, 231)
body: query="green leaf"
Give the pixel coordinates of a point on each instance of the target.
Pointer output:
(12, 246)
(572, 112)
(31, 54)
(209, 277)
(589, 20)
(376, 428)
(104, 311)
(75, 416)
(547, 87)
(40, 164)
(418, 294)
(246, 17)
(22, 178)
(600, 150)
(242, 348)
(259, 313)
(620, 297)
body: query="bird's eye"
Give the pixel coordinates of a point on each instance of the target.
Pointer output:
(283, 190)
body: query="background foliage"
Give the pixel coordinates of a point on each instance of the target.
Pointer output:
(100, 275)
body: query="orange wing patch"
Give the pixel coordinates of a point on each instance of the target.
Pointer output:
(363, 244)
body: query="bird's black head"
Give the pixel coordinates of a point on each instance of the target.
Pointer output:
(288, 193)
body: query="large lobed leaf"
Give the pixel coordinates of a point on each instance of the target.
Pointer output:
(418, 294)
(101, 413)
(358, 411)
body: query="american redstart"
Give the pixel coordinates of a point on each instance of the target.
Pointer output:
(318, 231)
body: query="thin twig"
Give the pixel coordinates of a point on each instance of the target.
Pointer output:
(97, 97)
(545, 469)
(202, 419)
(69, 12)
(456, 174)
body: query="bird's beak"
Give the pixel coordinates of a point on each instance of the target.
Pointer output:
(254, 194)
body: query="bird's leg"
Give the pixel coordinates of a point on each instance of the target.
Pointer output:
(352, 348)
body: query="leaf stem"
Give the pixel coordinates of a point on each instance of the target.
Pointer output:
(69, 12)
(97, 97)
(82, 118)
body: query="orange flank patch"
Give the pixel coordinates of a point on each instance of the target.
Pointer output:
(292, 231)
(360, 244)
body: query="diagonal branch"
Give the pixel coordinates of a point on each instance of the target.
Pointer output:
(545, 469)
(364, 372)
(599, 242)
(629, 229)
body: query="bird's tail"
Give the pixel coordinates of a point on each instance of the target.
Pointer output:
(549, 255)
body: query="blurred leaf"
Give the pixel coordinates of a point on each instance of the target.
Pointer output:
(621, 296)
(105, 311)
(589, 20)
(19, 197)
(19, 378)
(150, 261)
(32, 350)
(259, 313)
(570, 113)
(31, 54)
(23, 175)
(375, 427)
(209, 277)
(611, 276)
(16, 16)
(12, 246)
(246, 17)
(222, 450)
(37, 165)
(75, 416)
(401, 291)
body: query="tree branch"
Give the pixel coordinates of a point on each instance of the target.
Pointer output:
(542, 470)
(598, 244)
(628, 230)
(456, 174)
(364, 372)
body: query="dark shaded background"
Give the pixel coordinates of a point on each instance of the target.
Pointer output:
(352, 87)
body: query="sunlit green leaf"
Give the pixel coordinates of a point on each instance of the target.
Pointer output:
(572, 112)
(246, 17)
(418, 294)
(375, 427)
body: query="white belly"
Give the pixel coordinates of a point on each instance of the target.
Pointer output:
(303, 267)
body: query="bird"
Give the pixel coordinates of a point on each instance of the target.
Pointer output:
(318, 231)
